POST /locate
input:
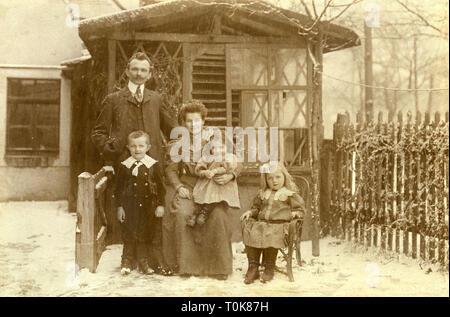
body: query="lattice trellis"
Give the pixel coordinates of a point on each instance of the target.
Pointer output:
(166, 69)
(290, 67)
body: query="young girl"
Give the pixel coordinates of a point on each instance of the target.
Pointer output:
(207, 192)
(265, 225)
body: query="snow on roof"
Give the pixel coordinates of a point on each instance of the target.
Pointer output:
(76, 60)
(172, 10)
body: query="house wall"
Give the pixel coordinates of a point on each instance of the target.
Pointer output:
(36, 38)
(36, 183)
(36, 32)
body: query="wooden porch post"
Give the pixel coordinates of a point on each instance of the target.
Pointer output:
(111, 65)
(187, 72)
(316, 140)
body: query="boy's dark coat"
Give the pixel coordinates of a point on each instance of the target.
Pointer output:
(139, 196)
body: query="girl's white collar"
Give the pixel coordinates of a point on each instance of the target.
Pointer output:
(282, 194)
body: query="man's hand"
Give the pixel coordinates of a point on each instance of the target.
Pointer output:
(246, 215)
(159, 211)
(223, 179)
(108, 168)
(183, 192)
(297, 215)
(120, 214)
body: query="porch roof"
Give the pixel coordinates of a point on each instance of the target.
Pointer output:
(256, 17)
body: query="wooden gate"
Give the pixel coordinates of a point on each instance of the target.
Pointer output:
(91, 227)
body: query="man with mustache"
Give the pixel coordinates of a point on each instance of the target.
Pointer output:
(132, 108)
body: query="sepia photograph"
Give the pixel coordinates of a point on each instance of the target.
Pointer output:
(224, 149)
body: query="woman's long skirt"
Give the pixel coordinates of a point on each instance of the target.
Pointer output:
(201, 250)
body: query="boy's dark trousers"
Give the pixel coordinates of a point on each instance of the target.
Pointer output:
(134, 251)
(136, 241)
(269, 256)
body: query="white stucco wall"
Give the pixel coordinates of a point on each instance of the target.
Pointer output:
(35, 32)
(44, 182)
(35, 35)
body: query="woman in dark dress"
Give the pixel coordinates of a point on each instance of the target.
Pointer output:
(201, 250)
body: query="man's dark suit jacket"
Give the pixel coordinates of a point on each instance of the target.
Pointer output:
(119, 117)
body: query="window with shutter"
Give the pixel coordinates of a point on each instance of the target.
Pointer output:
(209, 85)
(32, 117)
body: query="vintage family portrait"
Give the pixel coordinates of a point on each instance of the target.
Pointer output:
(224, 148)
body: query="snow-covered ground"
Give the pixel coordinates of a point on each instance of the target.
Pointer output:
(37, 242)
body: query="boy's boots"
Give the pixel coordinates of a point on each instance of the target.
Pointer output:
(144, 268)
(253, 256)
(269, 260)
(142, 258)
(126, 267)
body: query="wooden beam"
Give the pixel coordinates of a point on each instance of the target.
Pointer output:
(257, 26)
(228, 85)
(206, 38)
(217, 23)
(232, 31)
(187, 72)
(111, 65)
(272, 87)
(316, 143)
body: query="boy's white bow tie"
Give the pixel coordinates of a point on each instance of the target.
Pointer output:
(135, 170)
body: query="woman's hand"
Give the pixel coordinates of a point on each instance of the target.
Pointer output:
(223, 179)
(297, 215)
(120, 214)
(183, 192)
(246, 215)
(207, 174)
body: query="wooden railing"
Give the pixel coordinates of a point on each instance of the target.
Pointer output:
(91, 227)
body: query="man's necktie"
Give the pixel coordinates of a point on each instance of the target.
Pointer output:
(135, 170)
(138, 94)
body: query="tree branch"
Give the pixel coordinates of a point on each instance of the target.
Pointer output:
(314, 8)
(345, 9)
(321, 15)
(421, 17)
(307, 10)
(117, 3)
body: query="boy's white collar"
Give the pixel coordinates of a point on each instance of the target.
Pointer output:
(282, 194)
(147, 161)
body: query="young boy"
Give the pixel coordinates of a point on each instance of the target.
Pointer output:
(139, 196)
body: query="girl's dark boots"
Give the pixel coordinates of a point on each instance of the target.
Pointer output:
(269, 260)
(268, 274)
(253, 256)
(252, 273)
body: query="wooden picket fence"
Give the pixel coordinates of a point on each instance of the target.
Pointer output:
(91, 228)
(389, 184)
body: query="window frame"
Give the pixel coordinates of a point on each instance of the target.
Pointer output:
(270, 89)
(32, 151)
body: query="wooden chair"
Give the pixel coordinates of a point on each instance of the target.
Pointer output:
(295, 231)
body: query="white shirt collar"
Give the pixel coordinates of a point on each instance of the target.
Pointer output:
(282, 194)
(132, 87)
(147, 161)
